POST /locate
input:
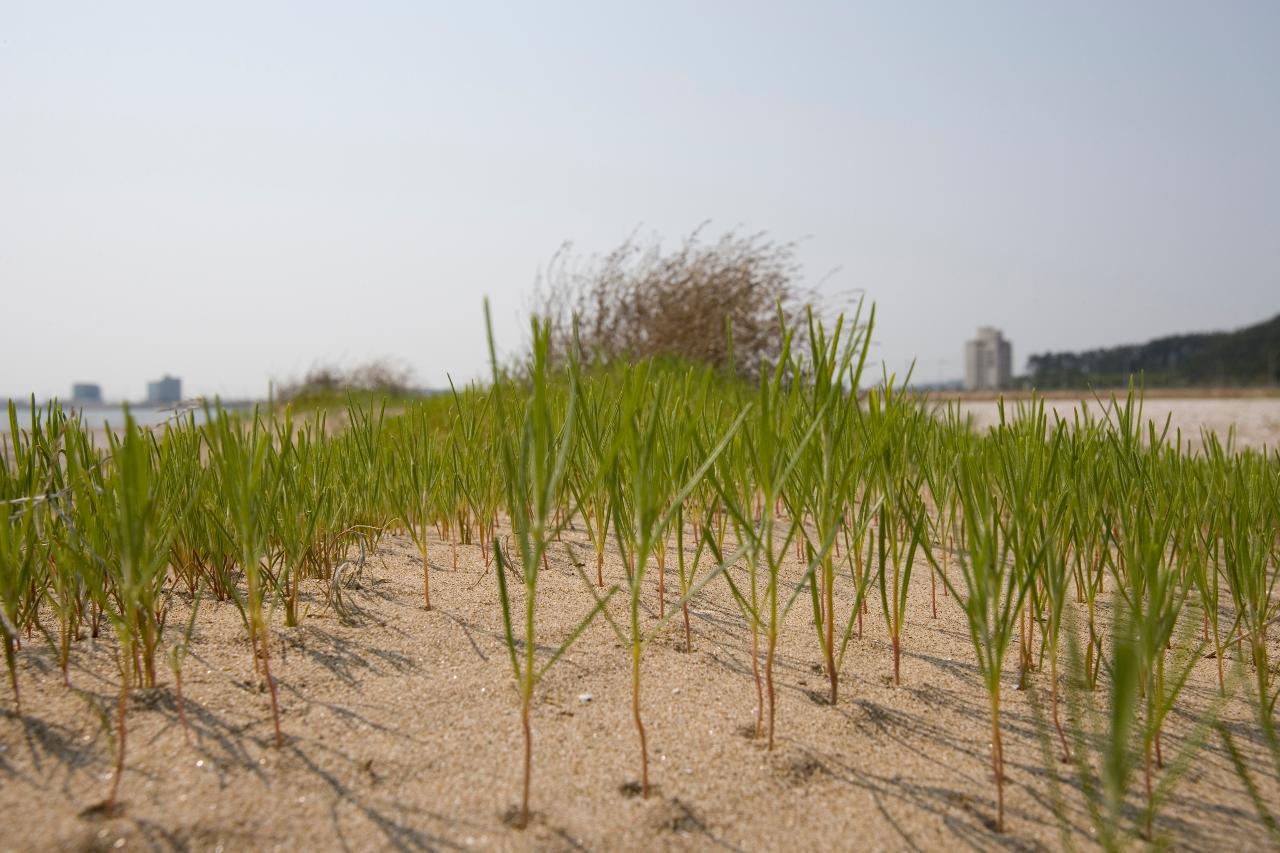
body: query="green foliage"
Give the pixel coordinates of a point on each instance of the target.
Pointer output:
(1094, 549)
(1248, 356)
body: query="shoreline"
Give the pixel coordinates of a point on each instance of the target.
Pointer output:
(1187, 393)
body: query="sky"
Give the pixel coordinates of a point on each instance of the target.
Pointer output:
(234, 192)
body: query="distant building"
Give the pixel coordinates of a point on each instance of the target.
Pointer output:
(164, 391)
(988, 361)
(86, 392)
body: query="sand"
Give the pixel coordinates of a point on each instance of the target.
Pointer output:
(402, 731)
(1255, 419)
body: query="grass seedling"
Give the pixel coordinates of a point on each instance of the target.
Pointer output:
(830, 467)
(18, 568)
(993, 596)
(891, 424)
(590, 478)
(243, 458)
(120, 536)
(651, 502)
(302, 468)
(1027, 459)
(414, 481)
(768, 458)
(533, 468)
(1107, 740)
(1251, 564)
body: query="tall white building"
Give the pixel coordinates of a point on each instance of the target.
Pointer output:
(988, 361)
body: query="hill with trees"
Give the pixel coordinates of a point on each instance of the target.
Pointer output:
(1244, 357)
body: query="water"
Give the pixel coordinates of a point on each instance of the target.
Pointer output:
(109, 417)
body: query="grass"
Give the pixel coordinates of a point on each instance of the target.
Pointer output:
(533, 463)
(1085, 557)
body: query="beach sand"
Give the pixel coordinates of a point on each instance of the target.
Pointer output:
(402, 732)
(1255, 419)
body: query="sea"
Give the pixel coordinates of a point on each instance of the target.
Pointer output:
(112, 416)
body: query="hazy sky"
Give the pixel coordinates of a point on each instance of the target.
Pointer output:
(231, 191)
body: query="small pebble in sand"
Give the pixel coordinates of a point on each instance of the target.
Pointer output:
(585, 697)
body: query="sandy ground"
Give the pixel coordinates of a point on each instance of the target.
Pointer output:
(402, 732)
(1256, 419)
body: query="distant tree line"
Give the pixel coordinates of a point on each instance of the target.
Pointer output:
(1248, 356)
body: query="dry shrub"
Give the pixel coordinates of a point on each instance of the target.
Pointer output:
(638, 301)
(381, 377)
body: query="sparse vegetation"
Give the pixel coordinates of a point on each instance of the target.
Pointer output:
(1099, 542)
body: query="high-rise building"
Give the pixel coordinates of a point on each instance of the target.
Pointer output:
(164, 391)
(988, 361)
(86, 392)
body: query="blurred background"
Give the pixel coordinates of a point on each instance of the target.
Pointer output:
(238, 193)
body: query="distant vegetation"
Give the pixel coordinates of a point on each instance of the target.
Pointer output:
(1248, 356)
(329, 384)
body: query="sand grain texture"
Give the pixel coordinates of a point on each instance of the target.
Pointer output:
(402, 732)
